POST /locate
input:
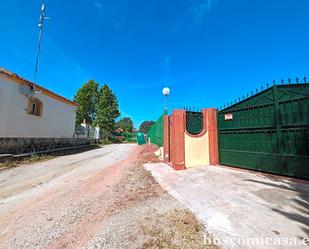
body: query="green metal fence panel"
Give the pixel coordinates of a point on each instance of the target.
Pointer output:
(156, 132)
(268, 132)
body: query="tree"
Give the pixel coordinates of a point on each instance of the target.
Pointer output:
(107, 109)
(86, 98)
(125, 124)
(145, 126)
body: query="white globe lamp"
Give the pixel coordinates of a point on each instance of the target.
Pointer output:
(165, 91)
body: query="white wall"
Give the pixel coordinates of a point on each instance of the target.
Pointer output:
(57, 120)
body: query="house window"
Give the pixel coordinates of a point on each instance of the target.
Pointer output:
(35, 107)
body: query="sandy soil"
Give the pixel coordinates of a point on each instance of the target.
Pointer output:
(96, 199)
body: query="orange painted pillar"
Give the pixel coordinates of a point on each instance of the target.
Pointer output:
(177, 145)
(213, 136)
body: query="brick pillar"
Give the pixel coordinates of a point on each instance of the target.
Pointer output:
(213, 136)
(166, 142)
(178, 139)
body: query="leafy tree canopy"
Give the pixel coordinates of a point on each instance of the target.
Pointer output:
(125, 124)
(145, 126)
(86, 98)
(107, 109)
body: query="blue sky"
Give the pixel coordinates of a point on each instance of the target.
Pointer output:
(208, 52)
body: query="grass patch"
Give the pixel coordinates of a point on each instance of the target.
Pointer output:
(27, 160)
(43, 157)
(176, 229)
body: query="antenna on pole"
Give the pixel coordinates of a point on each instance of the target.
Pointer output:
(41, 24)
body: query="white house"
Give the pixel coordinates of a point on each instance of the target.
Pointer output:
(31, 111)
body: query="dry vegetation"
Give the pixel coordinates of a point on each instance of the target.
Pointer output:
(16, 162)
(26, 160)
(172, 228)
(176, 229)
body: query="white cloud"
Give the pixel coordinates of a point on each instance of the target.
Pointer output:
(195, 12)
(97, 4)
(99, 8)
(200, 9)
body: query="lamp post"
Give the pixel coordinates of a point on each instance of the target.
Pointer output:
(165, 91)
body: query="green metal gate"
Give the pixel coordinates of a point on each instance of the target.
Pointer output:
(268, 131)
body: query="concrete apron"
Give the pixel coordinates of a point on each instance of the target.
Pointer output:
(236, 204)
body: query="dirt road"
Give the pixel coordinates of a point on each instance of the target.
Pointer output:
(22, 178)
(97, 199)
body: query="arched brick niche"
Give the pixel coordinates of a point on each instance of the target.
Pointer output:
(186, 149)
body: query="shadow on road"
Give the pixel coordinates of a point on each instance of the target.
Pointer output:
(300, 202)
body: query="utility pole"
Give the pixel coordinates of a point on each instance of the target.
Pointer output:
(43, 17)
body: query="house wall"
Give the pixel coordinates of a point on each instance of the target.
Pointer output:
(57, 120)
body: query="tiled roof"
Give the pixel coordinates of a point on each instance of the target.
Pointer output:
(38, 87)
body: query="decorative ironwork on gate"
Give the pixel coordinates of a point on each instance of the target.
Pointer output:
(268, 131)
(194, 122)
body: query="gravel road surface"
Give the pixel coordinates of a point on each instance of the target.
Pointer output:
(96, 199)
